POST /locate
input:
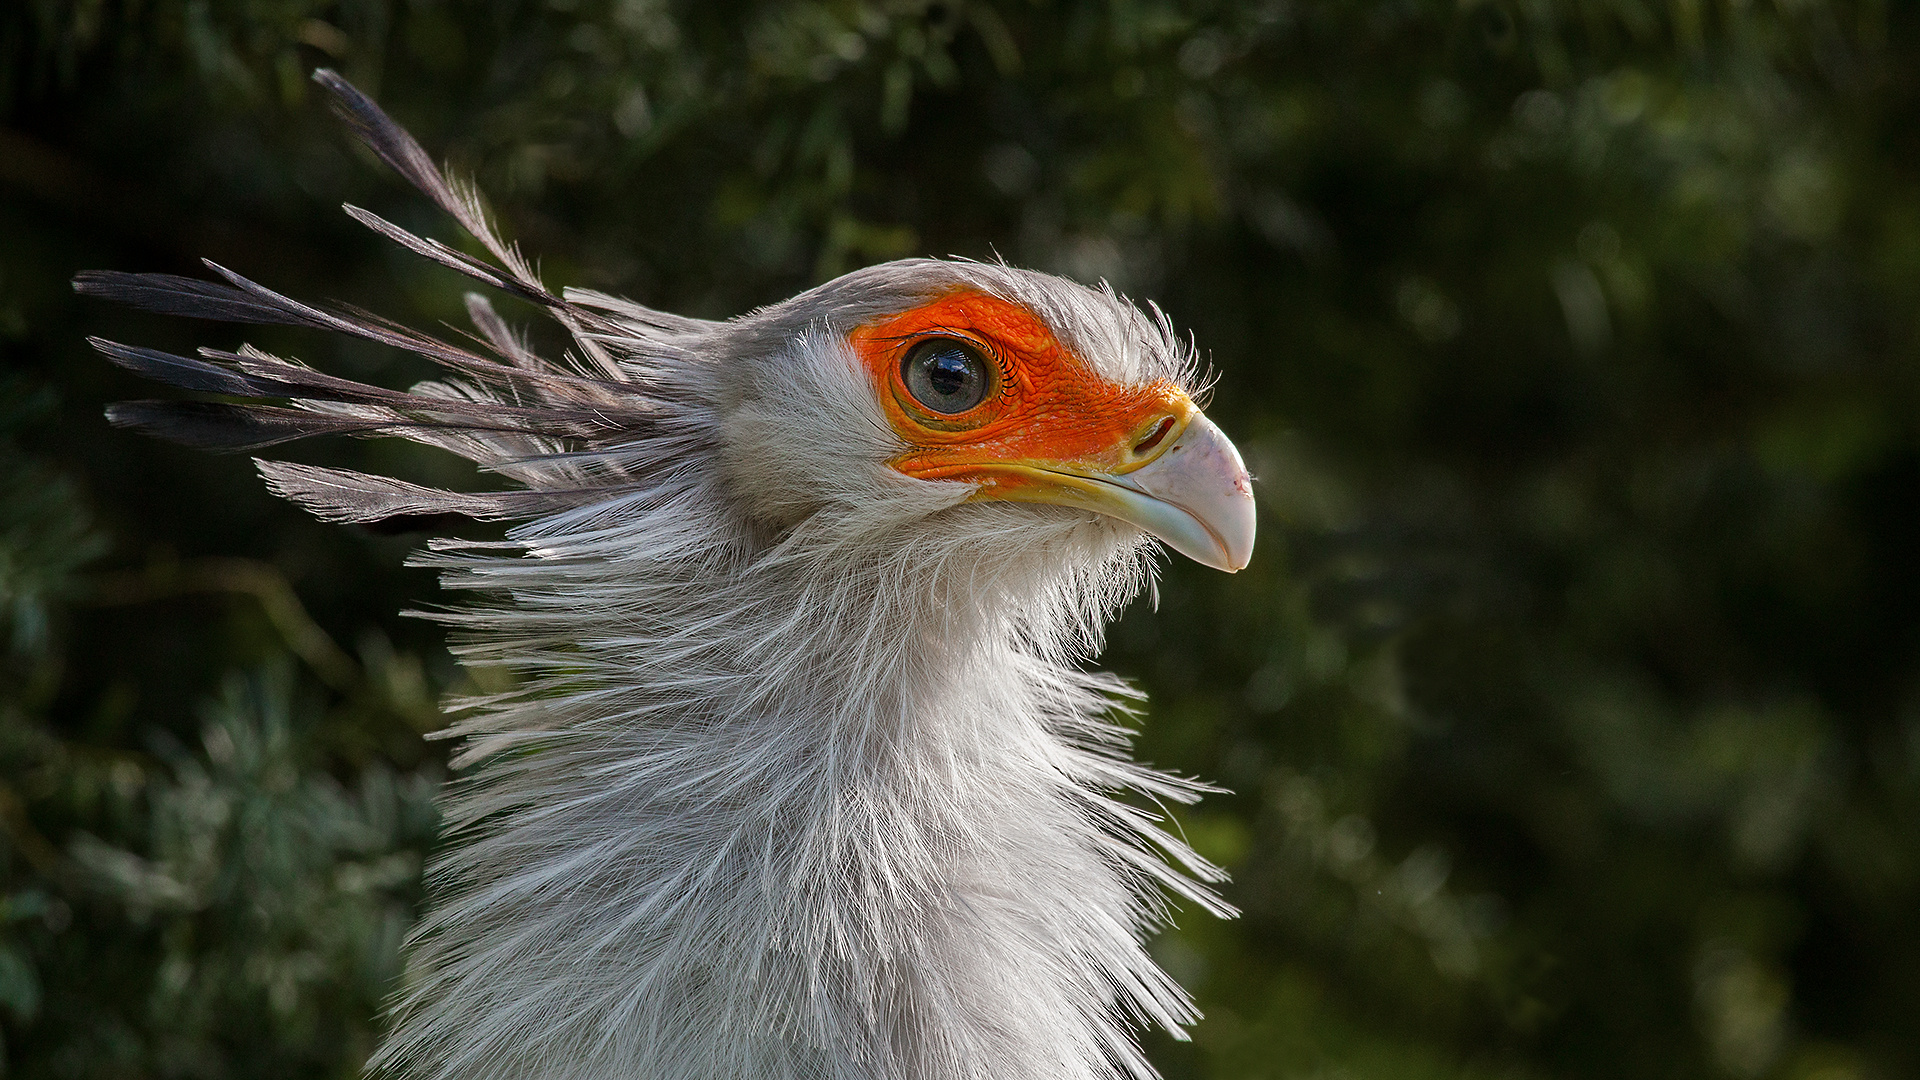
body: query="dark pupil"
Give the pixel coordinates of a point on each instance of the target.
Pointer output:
(946, 376)
(949, 372)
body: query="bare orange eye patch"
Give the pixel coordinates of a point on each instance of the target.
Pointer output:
(1045, 405)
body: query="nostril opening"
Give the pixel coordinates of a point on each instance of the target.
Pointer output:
(1153, 438)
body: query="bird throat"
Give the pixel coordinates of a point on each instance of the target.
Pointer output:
(839, 816)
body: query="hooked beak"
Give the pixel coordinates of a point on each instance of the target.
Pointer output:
(1194, 494)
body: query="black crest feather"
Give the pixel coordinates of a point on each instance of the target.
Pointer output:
(518, 406)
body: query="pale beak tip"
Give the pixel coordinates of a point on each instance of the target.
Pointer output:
(1238, 527)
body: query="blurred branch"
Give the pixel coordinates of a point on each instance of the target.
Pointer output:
(249, 576)
(27, 840)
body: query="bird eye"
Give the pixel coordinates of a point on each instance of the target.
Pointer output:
(946, 375)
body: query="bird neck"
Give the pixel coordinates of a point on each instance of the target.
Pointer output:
(799, 811)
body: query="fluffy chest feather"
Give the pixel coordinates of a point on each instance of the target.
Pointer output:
(823, 820)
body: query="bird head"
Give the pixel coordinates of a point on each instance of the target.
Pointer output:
(1021, 406)
(916, 386)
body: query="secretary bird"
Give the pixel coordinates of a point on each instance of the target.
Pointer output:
(802, 778)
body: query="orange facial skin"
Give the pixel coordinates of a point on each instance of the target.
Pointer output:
(1046, 408)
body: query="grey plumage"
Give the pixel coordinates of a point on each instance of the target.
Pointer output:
(801, 777)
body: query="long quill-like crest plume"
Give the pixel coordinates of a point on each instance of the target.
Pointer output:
(802, 777)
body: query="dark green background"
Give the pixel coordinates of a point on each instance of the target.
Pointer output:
(1571, 705)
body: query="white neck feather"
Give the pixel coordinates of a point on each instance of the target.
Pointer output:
(798, 810)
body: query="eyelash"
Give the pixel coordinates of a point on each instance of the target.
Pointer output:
(1003, 386)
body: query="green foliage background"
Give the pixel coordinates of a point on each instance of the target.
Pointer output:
(1571, 706)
